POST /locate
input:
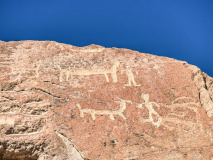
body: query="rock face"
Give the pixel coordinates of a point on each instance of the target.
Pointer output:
(59, 102)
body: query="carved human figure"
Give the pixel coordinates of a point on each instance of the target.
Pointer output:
(130, 76)
(37, 70)
(149, 106)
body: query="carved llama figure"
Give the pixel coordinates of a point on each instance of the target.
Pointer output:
(111, 71)
(111, 113)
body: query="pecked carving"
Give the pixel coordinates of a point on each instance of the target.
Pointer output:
(88, 72)
(149, 106)
(37, 122)
(130, 76)
(173, 118)
(111, 113)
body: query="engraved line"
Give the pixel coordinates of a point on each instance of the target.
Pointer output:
(111, 113)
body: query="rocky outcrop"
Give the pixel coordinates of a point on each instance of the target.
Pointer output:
(204, 84)
(59, 101)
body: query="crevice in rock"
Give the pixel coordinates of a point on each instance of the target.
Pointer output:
(71, 150)
(205, 85)
(36, 109)
(40, 111)
(10, 86)
(199, 78)
(52, 83)
(22, 90)
(8, 98)
(33, 100)
(46, 92)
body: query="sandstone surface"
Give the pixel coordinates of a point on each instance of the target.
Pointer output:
(61, 102)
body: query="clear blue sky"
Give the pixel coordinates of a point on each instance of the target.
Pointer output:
(180, 29)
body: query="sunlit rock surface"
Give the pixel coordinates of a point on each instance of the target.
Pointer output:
(59, 101)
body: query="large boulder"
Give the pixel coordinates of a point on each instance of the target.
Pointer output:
(59, 101)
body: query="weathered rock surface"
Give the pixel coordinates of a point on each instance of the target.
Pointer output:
(59, 102)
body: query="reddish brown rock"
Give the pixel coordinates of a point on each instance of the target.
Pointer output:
(59, 102)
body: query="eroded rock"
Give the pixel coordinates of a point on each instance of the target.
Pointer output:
(59, 101)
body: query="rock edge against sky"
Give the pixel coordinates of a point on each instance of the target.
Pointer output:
(64, 102)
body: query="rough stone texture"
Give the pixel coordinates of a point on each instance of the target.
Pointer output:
(59, 101)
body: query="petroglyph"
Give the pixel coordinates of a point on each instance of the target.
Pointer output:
(178, 117)
(89, 72)
(149, 106)
(26, 69)
(182, 98)
(111, 113)
(189, 104)
(130, 76)
(173, 123)
(36, 71)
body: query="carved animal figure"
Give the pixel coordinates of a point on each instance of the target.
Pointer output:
(111, 113)
(111, 71)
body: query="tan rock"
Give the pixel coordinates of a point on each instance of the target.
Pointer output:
(59, 101)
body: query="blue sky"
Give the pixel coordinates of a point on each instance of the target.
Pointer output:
(180, 29)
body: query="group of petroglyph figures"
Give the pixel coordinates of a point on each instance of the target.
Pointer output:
(87, 72)
(122, 102)
(100, 71)
(122, 107)
(64, 74)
